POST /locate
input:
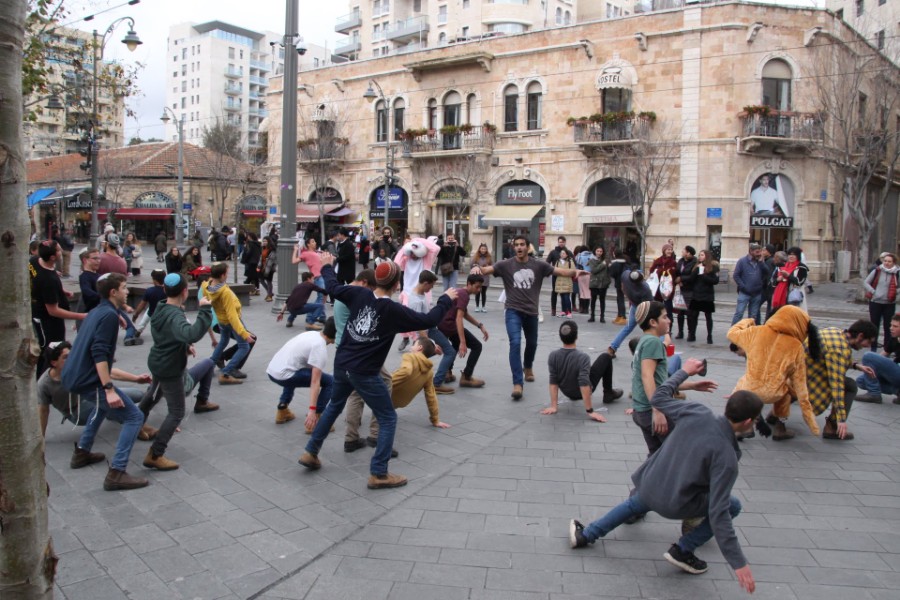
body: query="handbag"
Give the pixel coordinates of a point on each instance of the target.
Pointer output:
(653, 282)
(446, 268)
(795, 297)
(666, 285)
(678, 302)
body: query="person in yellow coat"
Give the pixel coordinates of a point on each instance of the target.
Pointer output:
(416, 373)
(776, 364)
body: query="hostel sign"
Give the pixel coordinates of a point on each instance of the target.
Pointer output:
(772, 221)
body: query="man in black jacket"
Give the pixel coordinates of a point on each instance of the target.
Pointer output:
(552, 257)
(346, 257)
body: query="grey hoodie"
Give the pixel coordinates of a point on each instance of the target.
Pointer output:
(880, 291)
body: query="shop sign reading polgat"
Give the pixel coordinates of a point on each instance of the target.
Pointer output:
(772, 221)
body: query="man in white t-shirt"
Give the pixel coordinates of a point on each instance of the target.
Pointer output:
(301, 363)
(763, 199)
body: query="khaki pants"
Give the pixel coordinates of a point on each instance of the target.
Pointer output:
(354, 411)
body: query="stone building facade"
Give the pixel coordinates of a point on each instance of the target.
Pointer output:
(527, 134)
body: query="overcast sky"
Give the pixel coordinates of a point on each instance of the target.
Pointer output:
(154, 17)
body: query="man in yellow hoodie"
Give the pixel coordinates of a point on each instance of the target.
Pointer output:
(228, 311)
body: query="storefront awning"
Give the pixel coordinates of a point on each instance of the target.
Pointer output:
(340, 212)
(38, 195)
(253, 214)
(144, 214)
(307, 215)
(62, 194)
(605, 214)
(512, 216)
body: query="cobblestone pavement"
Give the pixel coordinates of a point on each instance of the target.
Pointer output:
(485, 513)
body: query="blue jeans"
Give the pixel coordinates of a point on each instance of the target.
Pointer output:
(516, 323)
(320, 281)
(376, 395)
(129, 325)
(129, 416)
(625, 331)
(303, 379)
(673, 364)
(447, 358)
(237, 361)
(745, 300)
(887, 372)
(633, 507)
(450, 280)
(313, 312)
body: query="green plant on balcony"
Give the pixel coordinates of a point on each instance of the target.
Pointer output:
(466, 128)
(488, 127)
(449, 130)
(596, 118)
(305, 143)
(614, 118)
(756, 109)
(647, 115)
(573, 120)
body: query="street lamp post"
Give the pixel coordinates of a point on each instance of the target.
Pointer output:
(179, 208)
(389, 169)
(132, 41)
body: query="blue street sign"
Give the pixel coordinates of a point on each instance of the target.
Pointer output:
(395, 194)
(713, 213)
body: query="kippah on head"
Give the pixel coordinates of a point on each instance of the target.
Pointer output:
(172, 279)
(386, 274)
(636, 276)
(641, 312)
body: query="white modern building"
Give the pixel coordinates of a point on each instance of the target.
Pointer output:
(221, 71)
(877, 20)
(386, 27)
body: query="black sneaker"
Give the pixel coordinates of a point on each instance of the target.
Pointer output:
(354, 445)
(221, 364)
(686, 561)
(238, 374)
(576, 535)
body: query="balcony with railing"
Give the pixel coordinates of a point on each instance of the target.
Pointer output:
(349, 22)
(604, 132)
(262, 65)
(767, 131)
(257, 80)
(233, 90)
(350, 47)
(407, 31)
(406, 49)
(315, 151)
(232, 72)
(449, 140)
(233, 107)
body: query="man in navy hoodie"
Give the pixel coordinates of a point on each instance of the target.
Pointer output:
(89, 372)
(374, 321)
(750, 275)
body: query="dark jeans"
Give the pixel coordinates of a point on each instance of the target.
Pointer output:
(880, 315)
(567, 303)
(474, 350)
(601, 370)
(518, 322)
(312, 311)
(175, 394)
(620, 302)
(240, 356)
(378, 398)
(128, 415)
(598, 294)
(481, 297)
(303, 379)
(644, 420)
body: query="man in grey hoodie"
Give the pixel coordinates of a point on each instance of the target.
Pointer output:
(690, 477)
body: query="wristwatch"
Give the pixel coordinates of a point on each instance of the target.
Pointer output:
(108, 386)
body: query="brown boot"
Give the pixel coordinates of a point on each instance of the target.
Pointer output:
(469, 381)
(283, 415)
(529, 374)
(204, 406)
(120, 480)
(310, 461)
(147, 433)
(390, 480)
(444, 389)
(517, 392)
(83, 458)
(160, 463)
(781, 432)
(830, 432)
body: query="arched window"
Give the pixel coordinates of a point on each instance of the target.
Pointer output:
(472, 115)
(611, 192)
(432, 114)
(534, 105)
(568, 19)
(511, 108)
(442, 39)
(452, 106)
(399, 110)
(381, 122)
(776, 85)
(559, 16)
(616, 100)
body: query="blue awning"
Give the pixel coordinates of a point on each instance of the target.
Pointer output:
(38, 195)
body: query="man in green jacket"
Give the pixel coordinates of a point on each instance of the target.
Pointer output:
(173, 340)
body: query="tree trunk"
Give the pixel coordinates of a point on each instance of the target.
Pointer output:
(27, 561)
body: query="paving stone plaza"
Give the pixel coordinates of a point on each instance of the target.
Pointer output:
(486, 510)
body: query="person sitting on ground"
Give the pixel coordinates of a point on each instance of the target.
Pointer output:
(882, 371)
(690, 478)
(301, 362)
(572, 373)
(298, 304)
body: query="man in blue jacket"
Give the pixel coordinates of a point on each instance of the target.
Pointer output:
(366, 340)
(690, 477)
(750, 275)
(88, 372)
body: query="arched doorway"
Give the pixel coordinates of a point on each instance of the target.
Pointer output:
(608, 218)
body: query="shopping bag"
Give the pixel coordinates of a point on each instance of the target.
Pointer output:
(666, 285)
(678, 302)
(653, 282)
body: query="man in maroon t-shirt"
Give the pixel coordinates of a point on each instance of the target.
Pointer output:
(464, 341)
(110, 261)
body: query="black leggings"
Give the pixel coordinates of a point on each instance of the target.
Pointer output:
(601, 294)
(880, 315)
(693, 317)
(481, 297)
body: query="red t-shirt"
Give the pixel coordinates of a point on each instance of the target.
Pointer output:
(313, 261)
(448, 325)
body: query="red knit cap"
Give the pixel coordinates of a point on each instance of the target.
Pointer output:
(387, 274)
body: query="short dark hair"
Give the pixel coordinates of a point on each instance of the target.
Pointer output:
(427, 346)
(308, 240)
(562, 237)
(48, 249)
(366, 276)
(864, 327)
(173, 291)
(33, 245)
(743, 405)
(690, 250)
(218, 269)
(306, 276)
(632, 344)
(55, 350)
(109, 282)
(521, 237)
(896, 317)
(474, 278)
(330, 329)
(427, 277)
(568, 332)
(157, 275)
(796, 251)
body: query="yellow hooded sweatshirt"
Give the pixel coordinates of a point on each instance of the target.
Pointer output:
(415, 373)
(776, 361)
(227, 307)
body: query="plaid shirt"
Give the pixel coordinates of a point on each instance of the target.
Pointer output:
(825, 378)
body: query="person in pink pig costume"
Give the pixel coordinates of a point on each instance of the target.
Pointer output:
(414, 257)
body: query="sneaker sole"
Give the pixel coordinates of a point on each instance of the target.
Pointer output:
(311, 466)
(384, 486)
(684, 566)
(151, 466)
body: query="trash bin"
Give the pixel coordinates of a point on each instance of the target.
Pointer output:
(842, 266)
